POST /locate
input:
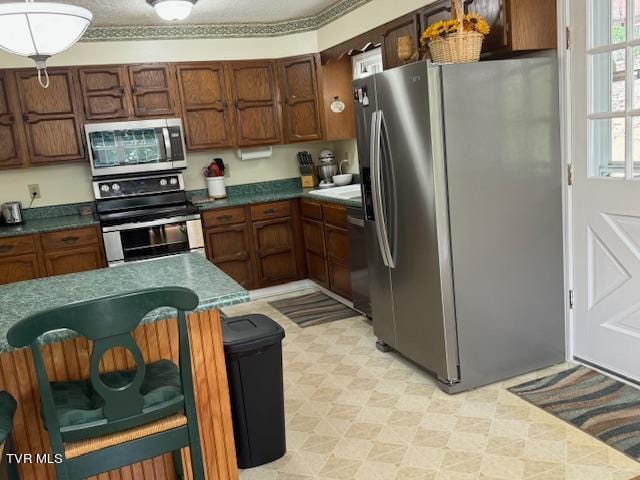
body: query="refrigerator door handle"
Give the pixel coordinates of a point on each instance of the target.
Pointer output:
(376, 191)
(376, 186)
(388, 175)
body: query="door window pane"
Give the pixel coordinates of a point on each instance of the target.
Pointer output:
(608, 19)
(608, 147)
(636, 18)
(608, 82)
(636, 77)
(635, 122)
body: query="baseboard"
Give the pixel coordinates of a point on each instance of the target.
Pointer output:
(281, 289)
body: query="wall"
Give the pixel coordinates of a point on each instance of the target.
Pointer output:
(72, 183)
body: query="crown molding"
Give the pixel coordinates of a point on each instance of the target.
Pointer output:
(228, 30)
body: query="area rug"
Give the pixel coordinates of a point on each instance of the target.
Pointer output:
(313, 309)
(599, 405)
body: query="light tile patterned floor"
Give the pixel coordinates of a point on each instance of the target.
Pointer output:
(356, 413)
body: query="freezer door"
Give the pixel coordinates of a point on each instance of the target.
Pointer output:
(415, 221)
(379, 275)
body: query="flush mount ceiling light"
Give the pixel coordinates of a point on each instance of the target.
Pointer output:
(173, 10)
(40, 30)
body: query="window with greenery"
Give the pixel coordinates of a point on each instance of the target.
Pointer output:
(614, 88)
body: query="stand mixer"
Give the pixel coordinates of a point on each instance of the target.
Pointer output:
(327, 169)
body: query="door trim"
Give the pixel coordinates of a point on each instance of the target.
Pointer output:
(564, 64)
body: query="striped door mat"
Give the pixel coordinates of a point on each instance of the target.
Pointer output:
(313, 309)
(599, 405)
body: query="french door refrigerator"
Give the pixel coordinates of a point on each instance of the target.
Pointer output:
(462, 187)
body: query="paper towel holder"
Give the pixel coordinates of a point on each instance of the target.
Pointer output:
(255, 153)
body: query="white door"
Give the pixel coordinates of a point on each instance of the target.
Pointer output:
(605, 83)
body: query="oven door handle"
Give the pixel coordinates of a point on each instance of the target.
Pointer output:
(152, 223)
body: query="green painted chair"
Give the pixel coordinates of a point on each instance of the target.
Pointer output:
(116, 419)
(8, 470)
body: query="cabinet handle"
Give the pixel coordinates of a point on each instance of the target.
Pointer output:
(25, 118)
(70, 239)
(12, 119)
(224, 218)
(5, 248)
(271, 211)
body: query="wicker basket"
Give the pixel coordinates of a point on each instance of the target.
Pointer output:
(460, 47)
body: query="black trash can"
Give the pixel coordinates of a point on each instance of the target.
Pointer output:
(253, 353)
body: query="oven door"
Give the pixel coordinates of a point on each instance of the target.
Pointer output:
(144, 241)
(135, 147)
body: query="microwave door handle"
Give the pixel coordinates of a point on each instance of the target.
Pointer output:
(376, 193)
(167, 143)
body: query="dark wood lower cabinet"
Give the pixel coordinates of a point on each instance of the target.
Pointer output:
(73, 260)
(56, 253)
(258, 245)
(19, 268)
(327, 245)
(275, 254)
(230, 249)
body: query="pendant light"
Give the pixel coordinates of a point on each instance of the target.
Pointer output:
(41, 30)
(173, 10)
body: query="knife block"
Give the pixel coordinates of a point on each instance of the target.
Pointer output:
(309, 181)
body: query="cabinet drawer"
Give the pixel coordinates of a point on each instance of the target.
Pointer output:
(311, 210)
(16, 246)
(335, 215)
(271, 210)
(69, 238)
(214, 218)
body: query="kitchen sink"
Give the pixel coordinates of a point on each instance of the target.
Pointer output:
(348, 192)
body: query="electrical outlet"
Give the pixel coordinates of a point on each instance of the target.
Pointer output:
(227, 170)
(34, 191)
(347, 157)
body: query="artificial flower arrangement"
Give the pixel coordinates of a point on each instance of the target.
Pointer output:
(457, 40)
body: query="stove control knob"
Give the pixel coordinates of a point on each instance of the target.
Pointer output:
(115, 187)
(163, 182)
(173, 181)
(105, 188)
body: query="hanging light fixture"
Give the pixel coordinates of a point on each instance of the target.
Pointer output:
(41, 30)
(173, 10)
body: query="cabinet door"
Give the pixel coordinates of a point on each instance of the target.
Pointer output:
(11, 149)
(256, 103)
(205, 106)
(301, 105)
(105, 93)
(51, 116)
(337, 241)
(275, 255)
(153, 90)
(73, 260)
(408, 26)
(17, 268)
(228, 248)
(340, 280)
(435, 12)
(315, 251)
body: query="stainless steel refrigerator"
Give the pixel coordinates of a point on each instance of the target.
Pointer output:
(462, 184)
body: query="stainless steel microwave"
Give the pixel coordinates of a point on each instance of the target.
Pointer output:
(137, 146)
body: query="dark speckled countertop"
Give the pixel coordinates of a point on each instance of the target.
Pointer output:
(61, 217)
(22, 299)
(51, 224)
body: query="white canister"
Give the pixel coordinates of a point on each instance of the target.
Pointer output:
(216, 188)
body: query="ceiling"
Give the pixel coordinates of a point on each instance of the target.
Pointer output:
(108, 13)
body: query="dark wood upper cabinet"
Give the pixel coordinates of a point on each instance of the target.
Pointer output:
(205, 105)
(256, 103)
(300, 99)
(153, 90)
(11, 151)
(516, 25)
(51, 117)
(105, 93)
(408, 26)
